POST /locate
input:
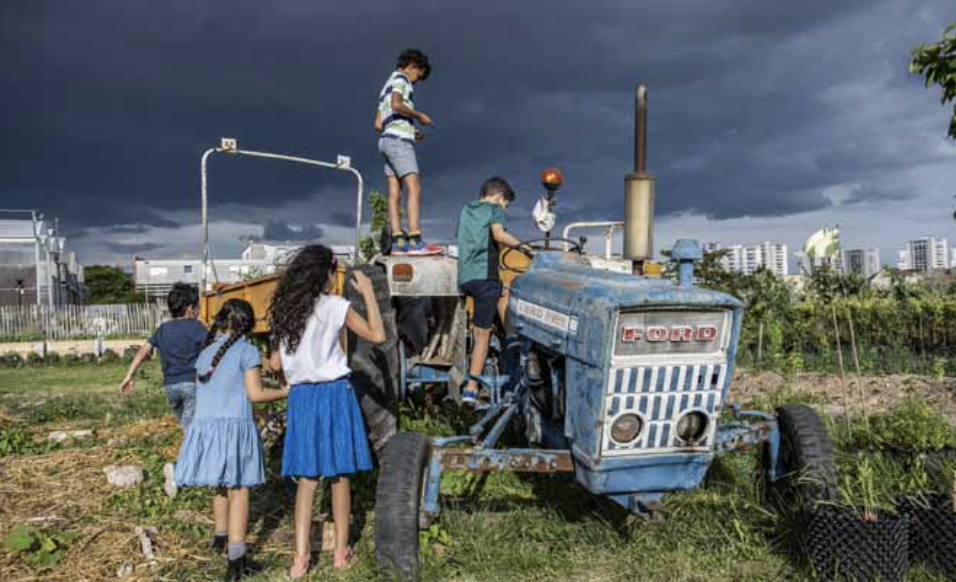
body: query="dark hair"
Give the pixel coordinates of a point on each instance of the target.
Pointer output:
(417, 58)
(496, 185)
(235, 317)
(294, 300)
(181, 297)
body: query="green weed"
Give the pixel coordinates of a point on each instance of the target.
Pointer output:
(913, 426)
(14, 440)
(42, 549)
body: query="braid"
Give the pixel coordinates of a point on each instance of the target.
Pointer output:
(233, 337)
(236, 317)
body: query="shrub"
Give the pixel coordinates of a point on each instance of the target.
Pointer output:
(11, 360)
(913, 426)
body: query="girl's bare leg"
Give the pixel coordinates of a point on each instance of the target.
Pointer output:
(220, 510)
(238, 515)
(304, 496)
(341, 513)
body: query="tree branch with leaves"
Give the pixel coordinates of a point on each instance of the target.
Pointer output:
(936, 63)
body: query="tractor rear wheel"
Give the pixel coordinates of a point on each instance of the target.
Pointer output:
(375, 368)
(806, 460)
(401, 482)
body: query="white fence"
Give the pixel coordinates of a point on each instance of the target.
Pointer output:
(35, 322)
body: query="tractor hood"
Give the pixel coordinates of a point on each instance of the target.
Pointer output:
(564, 303)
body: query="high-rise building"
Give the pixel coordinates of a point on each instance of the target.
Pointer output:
(926, 255)
(862, 262)
(746, 259)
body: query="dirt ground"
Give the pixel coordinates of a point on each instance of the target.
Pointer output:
(863, 394)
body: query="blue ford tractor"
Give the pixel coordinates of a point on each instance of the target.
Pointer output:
(615, 376)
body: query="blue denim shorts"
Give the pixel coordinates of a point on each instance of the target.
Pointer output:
(182, 398)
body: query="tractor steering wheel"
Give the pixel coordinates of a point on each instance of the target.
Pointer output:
(536, 245)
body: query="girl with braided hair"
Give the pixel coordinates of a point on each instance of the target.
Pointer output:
(325, 434)
(222, 448)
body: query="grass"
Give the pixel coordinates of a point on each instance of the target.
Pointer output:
(502, 527)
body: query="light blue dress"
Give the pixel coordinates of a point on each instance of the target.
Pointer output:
(222, 447)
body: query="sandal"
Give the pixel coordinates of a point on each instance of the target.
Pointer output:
(300, 567)
(346, 562)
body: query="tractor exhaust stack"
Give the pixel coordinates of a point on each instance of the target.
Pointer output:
(639, 194)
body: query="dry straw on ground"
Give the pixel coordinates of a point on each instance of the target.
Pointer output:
(65, 491)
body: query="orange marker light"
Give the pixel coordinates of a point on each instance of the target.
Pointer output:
(552, 178)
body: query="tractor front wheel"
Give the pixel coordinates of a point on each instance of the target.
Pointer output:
(401, 482)
(805, 463)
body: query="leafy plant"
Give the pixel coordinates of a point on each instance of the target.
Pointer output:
(40, 548)
(865, 489)
(370, 244)
(913, 426)
(16, 441)
(432, 536)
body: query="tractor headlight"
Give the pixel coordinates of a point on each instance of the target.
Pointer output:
(692, 426)
(626, 428)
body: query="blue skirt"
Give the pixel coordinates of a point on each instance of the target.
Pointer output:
(325, 435)
(221, 452)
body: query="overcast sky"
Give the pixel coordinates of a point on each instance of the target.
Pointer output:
(768, 120)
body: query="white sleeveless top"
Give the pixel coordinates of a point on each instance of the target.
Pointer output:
(319, 357)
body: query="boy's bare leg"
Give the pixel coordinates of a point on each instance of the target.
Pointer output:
(479, 354)
(220, 511)
(503, 306)
(394, 204)
(238, 515)
(341, 514)
(413, 189)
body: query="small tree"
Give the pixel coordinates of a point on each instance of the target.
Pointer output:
(371, 244)
(767, 300)
(109, 284)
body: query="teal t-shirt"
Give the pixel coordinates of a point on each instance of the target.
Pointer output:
(477, 249)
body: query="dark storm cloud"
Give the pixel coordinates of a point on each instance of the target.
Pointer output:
(879, 193)
(132, 249)
(108, 106)
(282, 232)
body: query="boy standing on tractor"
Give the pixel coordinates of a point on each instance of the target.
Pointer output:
(396, 119)
(480, 233)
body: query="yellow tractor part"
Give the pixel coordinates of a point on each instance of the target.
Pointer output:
(258, 292)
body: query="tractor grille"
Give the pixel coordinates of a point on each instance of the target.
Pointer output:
(660, 395)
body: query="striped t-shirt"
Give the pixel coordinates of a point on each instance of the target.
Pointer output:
(393, 124)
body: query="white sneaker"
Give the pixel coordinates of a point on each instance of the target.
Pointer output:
(169, 471)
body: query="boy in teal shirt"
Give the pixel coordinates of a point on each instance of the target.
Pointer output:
(481, 232)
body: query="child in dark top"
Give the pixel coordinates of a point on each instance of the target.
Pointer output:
(179, 342)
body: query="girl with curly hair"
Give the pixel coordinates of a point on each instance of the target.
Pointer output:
(222, 448)
(325, 435)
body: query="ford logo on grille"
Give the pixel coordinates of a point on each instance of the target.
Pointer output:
(704, 334)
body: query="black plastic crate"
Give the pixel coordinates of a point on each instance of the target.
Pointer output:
(841, 545)
(933, 532)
